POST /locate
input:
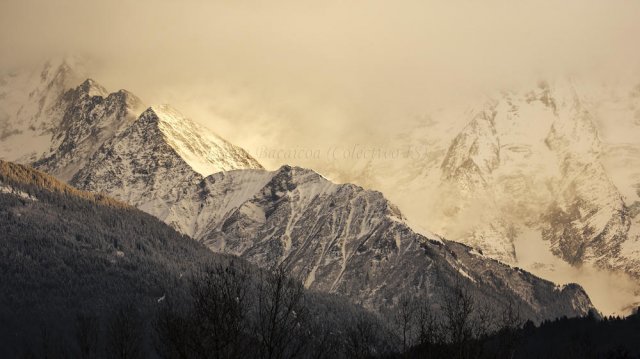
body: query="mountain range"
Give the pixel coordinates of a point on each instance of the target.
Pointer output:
(545, 177)
(337, 238)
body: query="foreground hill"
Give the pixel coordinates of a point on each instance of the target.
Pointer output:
(67, 254)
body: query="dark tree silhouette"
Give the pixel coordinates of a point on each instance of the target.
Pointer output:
(459, 306)
(361, 338)
(215, 321)
(87, 335)
(405, 319)
(281, 323)
(125, 333)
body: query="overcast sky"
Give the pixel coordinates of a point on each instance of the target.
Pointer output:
(312, 72)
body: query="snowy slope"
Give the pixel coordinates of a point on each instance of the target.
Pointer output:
(556, 162)
(204, 151)
(49, 122)
(154, 162)
(28, 113)
(90, 116)
(538, 164)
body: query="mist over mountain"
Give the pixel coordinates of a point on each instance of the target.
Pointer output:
(541, 177)
(285, 75)
(335, 238)
(435, 178)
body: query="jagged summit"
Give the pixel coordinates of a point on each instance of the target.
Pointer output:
(88, 116)
(92, 88)
(203, 150)
(153, 161)
(52, 119)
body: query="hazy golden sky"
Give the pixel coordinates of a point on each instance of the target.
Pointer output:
(313, 71)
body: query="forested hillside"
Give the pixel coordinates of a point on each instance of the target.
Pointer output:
(82, 275)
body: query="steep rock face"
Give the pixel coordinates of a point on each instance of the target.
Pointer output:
(47, 120)
(89, 117)
(344, 239)
(475, 152)
(146, 164)
(336, 238)
(467, 174)
(139, 167)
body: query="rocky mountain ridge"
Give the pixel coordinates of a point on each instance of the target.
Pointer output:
(336, 238)
(57, 126)
(544, 178)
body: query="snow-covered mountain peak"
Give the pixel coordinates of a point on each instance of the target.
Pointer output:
(544, 167)
(158, 160)
(94, 91)
(305, 186)
(78, 131)
(28, 98)
(85, 117)
(92, 88)
(202, 149)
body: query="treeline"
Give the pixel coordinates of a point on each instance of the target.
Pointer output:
(454, 326)
(588, 337)
(464, 327)
(230, 313)
(464, 330)
(226, 314)
(32, 181)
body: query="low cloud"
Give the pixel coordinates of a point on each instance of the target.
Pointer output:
(327, 72)
(611, 293)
